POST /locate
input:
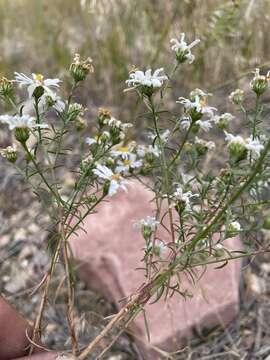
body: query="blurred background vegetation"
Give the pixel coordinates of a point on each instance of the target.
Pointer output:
(43, 35)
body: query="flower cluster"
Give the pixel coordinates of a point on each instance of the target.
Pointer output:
(193, 202)
(195, 111)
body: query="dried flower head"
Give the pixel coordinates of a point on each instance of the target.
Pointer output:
(79, 69)
(6, 87)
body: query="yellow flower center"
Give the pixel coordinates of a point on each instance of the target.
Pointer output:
(203, 102)
(126, 162)
(39, 78)
(116, 177)
(123, 149)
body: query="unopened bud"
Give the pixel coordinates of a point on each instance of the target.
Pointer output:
(80, 123)
(237, 97)
(259, 83)
(22, 134)
(10, 153)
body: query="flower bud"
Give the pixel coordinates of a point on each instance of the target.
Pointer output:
(259, 83)
(233, 229)
(79, 69)
(104, 137)
(91, 199)
(222, 121)
(38, 92)
(103, 116)
(110, 162)
(237, 152)
(180, 206)
(22, 134)
(237, 97)
(10, 153)
(106, 187)
(146, 232)
(75, 110)
(80, 123)
(266, 223)
(86, 162)
(188, 147)
(116, 135)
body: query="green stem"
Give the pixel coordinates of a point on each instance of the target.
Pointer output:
(255, 170)
(31, 157)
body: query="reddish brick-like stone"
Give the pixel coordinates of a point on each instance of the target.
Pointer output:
(109, 254)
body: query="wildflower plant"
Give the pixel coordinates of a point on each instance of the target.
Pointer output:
(196, 201)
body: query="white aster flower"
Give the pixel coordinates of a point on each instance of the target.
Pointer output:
(234, 227)
(146, 78)
(254, 146)
(185, 123)
(121, 151)
(57, 103)
(164, 136)
(182, 49)
(127, 164)
(24, 121)
(149, 222)
(184, 197)
(144, 150)
(205, 125)
(36, 81)
(223, 119)
(210, 145)
(197, 104)
(199, 92)
(50, 100)
(234, 139)
(115, 179)
(159, 247)
(90, 141)
(154, 150)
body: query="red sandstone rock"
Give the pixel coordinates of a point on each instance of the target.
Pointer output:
(13, 340)
(41, 356)
(111, 251)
